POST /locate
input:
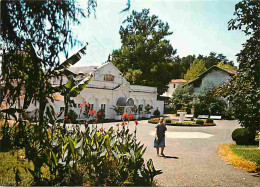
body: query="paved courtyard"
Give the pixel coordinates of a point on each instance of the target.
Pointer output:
(191, 155)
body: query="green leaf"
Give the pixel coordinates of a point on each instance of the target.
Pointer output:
(79, 143)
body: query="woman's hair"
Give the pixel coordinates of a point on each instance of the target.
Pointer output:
(161, 119)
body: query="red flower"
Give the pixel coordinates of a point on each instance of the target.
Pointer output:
(66, 117)
(88, 105)
(124, 115)
(131, 116)
(92, 112)
(100, 113)
(123, 123)
(80, 106)
(84, 101)
(136, 122)
(69, 121)
(57, 113)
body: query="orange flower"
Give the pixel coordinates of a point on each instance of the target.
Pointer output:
(136, 122)
(131, 116)
(80, 106)
(124, 115)
(84, 101)
(123, 123)
(92, 112)
(88, 105)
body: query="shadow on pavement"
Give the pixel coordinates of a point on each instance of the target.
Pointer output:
(175, 157)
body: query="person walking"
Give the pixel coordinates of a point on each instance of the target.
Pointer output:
(159, 140)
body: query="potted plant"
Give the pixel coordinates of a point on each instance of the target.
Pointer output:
(117, 110)
(147, 111)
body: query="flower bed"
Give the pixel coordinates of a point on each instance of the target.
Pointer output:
(177, 123)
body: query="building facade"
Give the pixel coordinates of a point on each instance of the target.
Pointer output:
(106, 88)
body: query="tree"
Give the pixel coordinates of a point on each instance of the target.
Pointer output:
(226, 66)
(206, 102)
(197, 67)
(243, 90)
(145, 57)
(182, 98)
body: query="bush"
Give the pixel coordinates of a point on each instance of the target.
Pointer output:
(229, 114)
(73, 116)
(209, 120)
(156, 112)
(169, 111)
(200, 121)
(168, 120)
(243, 136)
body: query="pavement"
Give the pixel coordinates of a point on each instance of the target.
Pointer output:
(191, 155)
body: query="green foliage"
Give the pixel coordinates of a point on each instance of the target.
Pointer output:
(250, 153)
(168, 120)
(169, 111)
(200, 121)
(243, 90)
(226, 66)
(243, 136)
(146, 56)
(229, 114)
(148, 108)
(72, 116)
(157, 112)
(206, 102)
(197, 67)
(182, 98)
(117, 110)
(209, 120)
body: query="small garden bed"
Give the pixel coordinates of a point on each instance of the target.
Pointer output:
(174, 122)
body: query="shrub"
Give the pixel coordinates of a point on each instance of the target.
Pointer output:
(200, 121)
(156, 112)
(229, 114)
(243, 136)
(72, 116)
(209, 120)
(169, 111)
(168, 120)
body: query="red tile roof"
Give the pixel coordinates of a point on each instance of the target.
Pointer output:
(178, 81)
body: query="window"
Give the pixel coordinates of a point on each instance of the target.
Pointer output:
(108, 77)
(103, 107)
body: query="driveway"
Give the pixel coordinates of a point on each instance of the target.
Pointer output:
(191, 155)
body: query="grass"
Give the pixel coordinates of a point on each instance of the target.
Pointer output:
(250, 153)
(243, 157)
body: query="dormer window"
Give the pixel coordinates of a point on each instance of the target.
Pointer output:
(108, 77)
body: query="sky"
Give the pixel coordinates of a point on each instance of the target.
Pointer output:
(198, 26)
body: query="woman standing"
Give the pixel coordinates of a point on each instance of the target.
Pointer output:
(160, 136)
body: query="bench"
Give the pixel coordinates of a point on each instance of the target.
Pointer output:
(189, 115)
(215, 117)
(203, 116)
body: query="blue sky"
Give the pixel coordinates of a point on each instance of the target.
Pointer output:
(199, 27)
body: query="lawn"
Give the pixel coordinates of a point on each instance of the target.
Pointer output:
(250, 153)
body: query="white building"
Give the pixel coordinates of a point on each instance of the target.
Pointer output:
(215, 76)
(108, 88)
(173, 84)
